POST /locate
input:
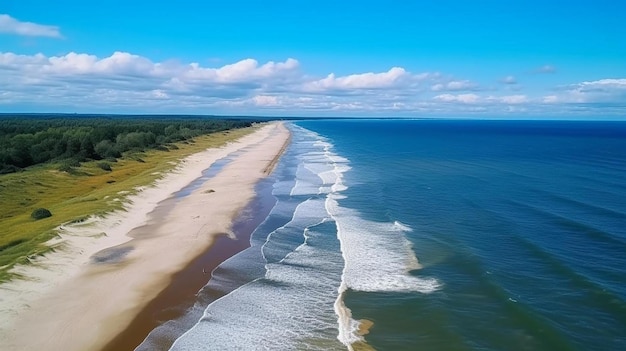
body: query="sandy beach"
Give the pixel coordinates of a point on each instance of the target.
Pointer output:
(108, 269)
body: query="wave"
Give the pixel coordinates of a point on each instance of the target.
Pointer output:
(577, 227)
(288, 308)
(402, 227)
(377, 256)
(289, 305)
(312, 261)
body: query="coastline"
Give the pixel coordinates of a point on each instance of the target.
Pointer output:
(180, 295)
(86, 302)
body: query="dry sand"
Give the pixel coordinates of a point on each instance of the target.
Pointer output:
(73, 303)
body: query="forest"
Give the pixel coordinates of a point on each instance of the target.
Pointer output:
(27, 140)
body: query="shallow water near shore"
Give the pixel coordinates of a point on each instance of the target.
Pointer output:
(447, 235)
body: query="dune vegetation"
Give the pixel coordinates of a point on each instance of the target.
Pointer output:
(72, 190)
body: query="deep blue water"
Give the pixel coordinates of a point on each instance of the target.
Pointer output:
(447, 235)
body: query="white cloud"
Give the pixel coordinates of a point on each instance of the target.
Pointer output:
(396, 77)
(550, 99)
(120, 63)
(124, 71)
(11, 25)
(455, 85)
(462, 98)
(265, 100)
(128, 82)
(603, 85)
(160, 94)
(509, 99)
(612, 91)
(242, 71)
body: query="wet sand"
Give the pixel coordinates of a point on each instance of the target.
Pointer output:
(180, 294)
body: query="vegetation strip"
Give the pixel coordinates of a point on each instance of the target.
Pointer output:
(89, 186)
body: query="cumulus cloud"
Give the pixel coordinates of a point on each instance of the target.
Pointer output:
(11, 25)
(265, 100)
(242, 71)
(510, 99)
(462, 98)
(611, 91)
(550, 99)
(122, 72)
(128, 82)
(455, 85)
(396, 77)
(603, 85)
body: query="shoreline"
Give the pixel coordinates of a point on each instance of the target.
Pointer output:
(180, 295)
(89, 301)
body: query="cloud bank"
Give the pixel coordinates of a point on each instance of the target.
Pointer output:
(124, 82)
(11, 25)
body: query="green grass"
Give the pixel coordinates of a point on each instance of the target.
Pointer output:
(73, 196)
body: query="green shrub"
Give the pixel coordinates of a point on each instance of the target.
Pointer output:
(105, 166)
(5, 169)
(68, 165)
(64, 167)
(106, 149)
(41, 213)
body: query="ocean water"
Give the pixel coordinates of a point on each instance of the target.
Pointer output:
(446, 235)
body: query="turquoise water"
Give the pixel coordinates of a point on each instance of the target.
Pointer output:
(447, 235)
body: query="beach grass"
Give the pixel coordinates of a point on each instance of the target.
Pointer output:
(75, 194)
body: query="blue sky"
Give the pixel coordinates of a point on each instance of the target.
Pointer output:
(316, 58)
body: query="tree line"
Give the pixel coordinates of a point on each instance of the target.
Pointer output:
(30, 140)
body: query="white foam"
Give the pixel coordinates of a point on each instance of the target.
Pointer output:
(281, 241)
(291, 306)
(307, 183)
(378, 256)
(401, 226)
(348, 326)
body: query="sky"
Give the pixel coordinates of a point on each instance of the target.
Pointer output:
(446, 58)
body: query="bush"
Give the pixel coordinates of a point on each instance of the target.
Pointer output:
(41, 213)
(106, 149)
(6, 169)
(72, 162)
(68, 165)
(105, 166)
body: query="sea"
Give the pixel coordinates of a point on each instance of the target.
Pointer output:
(395, 234)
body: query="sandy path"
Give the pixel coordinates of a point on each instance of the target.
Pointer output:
(81, 305)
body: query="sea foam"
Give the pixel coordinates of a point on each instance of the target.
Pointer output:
(312, 262)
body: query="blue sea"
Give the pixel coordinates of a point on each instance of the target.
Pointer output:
(430, 235)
